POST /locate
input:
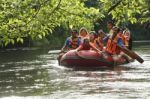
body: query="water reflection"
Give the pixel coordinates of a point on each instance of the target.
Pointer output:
(35, 74)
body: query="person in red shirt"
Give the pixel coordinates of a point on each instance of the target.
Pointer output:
(87, 45)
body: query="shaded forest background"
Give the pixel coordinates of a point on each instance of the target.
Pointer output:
(47, 23)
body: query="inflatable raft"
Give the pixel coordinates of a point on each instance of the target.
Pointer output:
(88, 58)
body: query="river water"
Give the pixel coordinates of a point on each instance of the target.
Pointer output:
(30, 73)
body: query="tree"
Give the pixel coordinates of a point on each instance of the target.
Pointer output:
(36, 18)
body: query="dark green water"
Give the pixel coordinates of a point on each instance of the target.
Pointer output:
(30, 73)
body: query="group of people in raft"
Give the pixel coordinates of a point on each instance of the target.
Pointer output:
(101, 41)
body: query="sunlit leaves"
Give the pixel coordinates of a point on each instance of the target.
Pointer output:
(125, 10)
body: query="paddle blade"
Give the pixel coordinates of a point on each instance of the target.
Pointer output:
(132, 54)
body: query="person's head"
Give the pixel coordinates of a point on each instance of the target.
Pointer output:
(126, 32)
(92, 35)
(115, 31)
(120, 30)
(101, 33)
(86, 41)
(110, 25)
(74, 33)
(83, 32)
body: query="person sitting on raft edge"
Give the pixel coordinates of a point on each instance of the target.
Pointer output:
(72, 42)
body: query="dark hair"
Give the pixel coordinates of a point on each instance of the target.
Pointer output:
(74, 31)
(115, 28)
(110, 22)
(115, 31)
(121, 30)
(94, 33)
(86, 41)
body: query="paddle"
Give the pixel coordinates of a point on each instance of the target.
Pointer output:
(56, 52)
(131, 53)
(53, 51)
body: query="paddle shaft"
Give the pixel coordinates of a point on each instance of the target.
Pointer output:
(131, 53)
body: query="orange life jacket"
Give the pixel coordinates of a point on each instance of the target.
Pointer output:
(112, 47)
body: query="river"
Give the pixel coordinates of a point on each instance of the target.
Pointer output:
(31, 73)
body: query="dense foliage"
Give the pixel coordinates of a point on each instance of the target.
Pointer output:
(124, 11)
(35, 19)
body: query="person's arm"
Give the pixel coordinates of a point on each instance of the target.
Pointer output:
(98, 44)
(120, 43)
(96, 49)
(65, 45)
(79, 41)
(79, 48)
(105, 39)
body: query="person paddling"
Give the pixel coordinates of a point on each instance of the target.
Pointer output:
(117, 49)
(112, 48)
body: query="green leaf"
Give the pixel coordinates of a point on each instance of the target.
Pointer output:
(43, 33)
(12, 41)
(20, 40)
(133, 20)
(129, 13)
(6, 43)
(40, 36)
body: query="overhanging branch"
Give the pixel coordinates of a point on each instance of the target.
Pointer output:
(33, 16)
(114, 6)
